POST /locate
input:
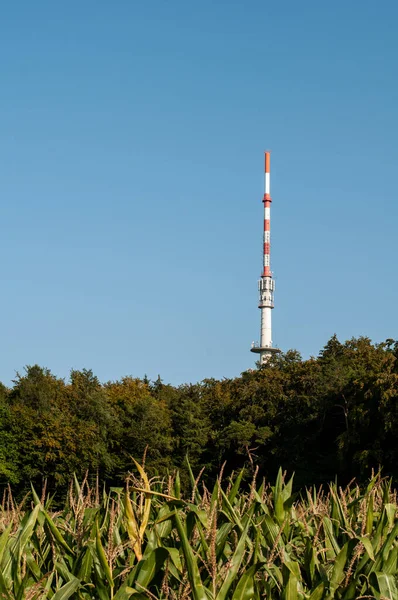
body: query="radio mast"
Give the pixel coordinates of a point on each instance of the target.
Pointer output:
(266, 285)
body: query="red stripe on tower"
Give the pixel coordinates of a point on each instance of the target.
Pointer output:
(267, 162)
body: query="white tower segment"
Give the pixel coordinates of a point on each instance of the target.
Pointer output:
(266, 284)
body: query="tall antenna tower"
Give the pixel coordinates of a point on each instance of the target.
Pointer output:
(266, 285)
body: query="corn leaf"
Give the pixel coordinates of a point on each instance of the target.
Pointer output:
(102, 558)
(290, 591)
(132, 526)
(147, 504)
(317, 594)
(368, 547)
(245, 588)
(339, 566)
(149, 566)
(235, 487)
(67, 590)
(234, 564)
(387, 586)
(56, 532)
(197, 588)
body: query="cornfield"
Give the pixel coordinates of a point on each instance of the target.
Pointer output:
(231, 542)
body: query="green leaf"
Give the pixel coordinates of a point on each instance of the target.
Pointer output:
(390, 565)
(126, 592)
(27, 531)
(222, 537)
(56, 532)
(292, 566)
(4, 538)
(149, 566)
(197, 588)
(369, 516)
(102, 591)
(35, 496)
(318, 592)
(290, 591)
(368, 546)
(177, 486)
(77, 486)
(132, 525)
(235, 562)
(245, 588)
(175, 557)
(390, 512)
(230, 510)
(86, 566)
(333, 545)
(3, 588)
(102, 557)
(273, 531)
(32, 565)
(201, 514)
(383, 552)
(310, 560)
(67, 590)
(287, 490)
(339, 566)
(387, 586)
(12, 568)
(235, 488)
(278, 499)
(193, 480)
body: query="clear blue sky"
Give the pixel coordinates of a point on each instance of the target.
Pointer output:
(131, 177)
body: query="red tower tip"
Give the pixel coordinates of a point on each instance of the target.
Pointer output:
(267, 162)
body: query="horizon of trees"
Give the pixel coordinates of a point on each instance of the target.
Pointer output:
(334, 415)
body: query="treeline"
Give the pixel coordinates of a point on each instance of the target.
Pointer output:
(333, 415)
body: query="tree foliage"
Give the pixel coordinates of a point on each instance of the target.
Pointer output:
(331, 415)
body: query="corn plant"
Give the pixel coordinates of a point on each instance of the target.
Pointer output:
(234, 541)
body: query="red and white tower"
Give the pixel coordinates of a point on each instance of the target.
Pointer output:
(266, 284)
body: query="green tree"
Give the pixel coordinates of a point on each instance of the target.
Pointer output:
(142, 424)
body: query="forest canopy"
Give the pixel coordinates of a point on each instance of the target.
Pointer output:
(334, 415)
